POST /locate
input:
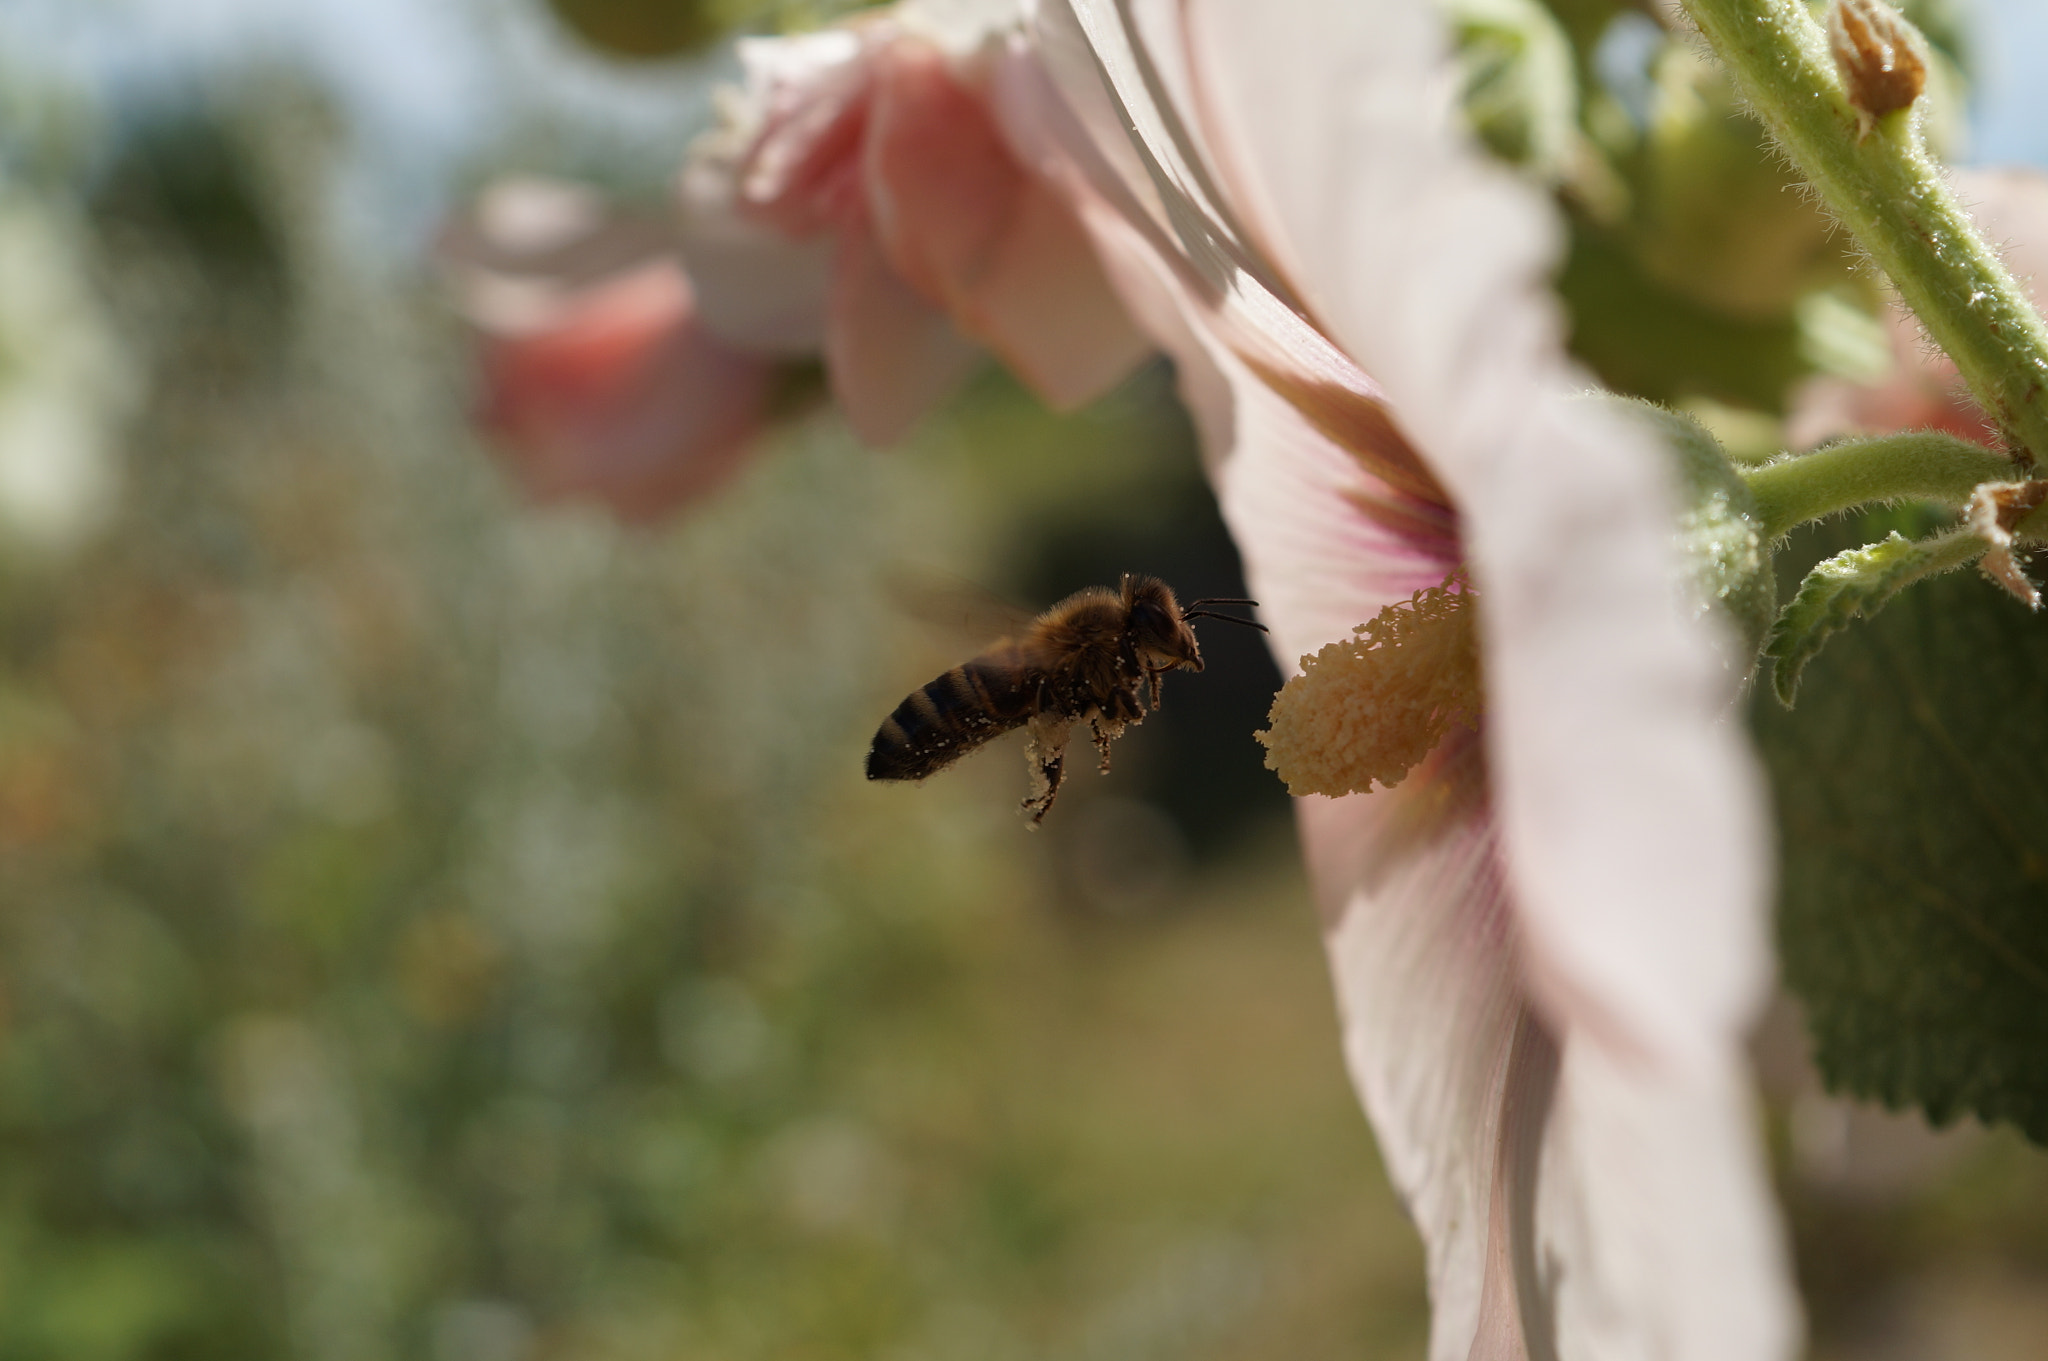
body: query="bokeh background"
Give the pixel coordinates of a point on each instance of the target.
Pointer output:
(437, 927)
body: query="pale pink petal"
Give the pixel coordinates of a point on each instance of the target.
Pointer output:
(1293, 444)
(624, 398)
(1419, 930)
(800, 171)
(983, 239)
(756, 288)
(1628, 828)
(1420, 937)
(1214, 313)
(890, 355)
(1116, 82)
(1603, 686)
(1648, 1213)
(1422, 946)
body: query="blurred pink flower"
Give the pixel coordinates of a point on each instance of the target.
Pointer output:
(600, 380)
(877, 139)
(1923, 390)
(857, 201)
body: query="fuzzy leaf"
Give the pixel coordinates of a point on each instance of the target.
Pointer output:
(1856, 582)
(1914, 918)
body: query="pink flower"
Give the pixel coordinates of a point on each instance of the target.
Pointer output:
(1549, 940)
(880, 141)
(859, 201)
(599, 378)
(1923, 390)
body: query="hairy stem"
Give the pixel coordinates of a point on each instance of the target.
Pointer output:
(1920, 465)
(1876, 178)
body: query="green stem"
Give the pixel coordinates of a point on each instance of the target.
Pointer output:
(1921, 465)
(1891, 196)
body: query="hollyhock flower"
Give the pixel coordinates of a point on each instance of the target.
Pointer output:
(1548, 940)
(1923, 390)
(876, 140)
(600, 379)
(857, 201)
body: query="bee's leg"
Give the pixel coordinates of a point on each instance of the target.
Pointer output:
(1045, 754)
(1106, 731)
(1152, 679)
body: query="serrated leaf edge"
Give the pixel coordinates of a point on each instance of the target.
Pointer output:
(1857, 582)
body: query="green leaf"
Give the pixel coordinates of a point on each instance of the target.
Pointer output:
(1912, 790)
(1856, 582)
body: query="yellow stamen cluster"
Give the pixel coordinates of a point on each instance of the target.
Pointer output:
(1367, 709)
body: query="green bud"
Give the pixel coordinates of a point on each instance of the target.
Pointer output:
(1720, 534)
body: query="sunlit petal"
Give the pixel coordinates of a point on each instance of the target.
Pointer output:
(980, 237)
(891, 355)
(1597, 668)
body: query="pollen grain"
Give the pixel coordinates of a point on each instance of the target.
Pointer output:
(1367, 709)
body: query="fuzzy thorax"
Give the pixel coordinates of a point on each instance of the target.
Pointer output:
(1367, 709)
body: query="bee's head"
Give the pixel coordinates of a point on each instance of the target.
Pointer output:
(1158, 634)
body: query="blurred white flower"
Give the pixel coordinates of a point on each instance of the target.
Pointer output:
(66, 384)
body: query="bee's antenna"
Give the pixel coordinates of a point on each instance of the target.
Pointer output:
(1219, 600)
(1226, 618)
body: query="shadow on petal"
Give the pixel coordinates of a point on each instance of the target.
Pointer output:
(891, 355)
(984, 240)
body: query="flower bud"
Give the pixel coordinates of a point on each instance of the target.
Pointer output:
(1882, 57)
(1721, 545)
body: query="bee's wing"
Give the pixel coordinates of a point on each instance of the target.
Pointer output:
(972, 615)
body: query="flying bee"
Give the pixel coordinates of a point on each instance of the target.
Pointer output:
(1097, 657)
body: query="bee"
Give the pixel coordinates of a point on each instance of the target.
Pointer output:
(1097, 657)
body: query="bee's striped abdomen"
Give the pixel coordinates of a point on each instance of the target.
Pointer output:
(953, 715)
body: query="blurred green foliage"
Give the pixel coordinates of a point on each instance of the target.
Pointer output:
(655, 30)
(439, 928)
(640, 28)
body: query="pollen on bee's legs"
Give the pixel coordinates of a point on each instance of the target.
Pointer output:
(1045, 751)
(1106, 731)
(1367, 709)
